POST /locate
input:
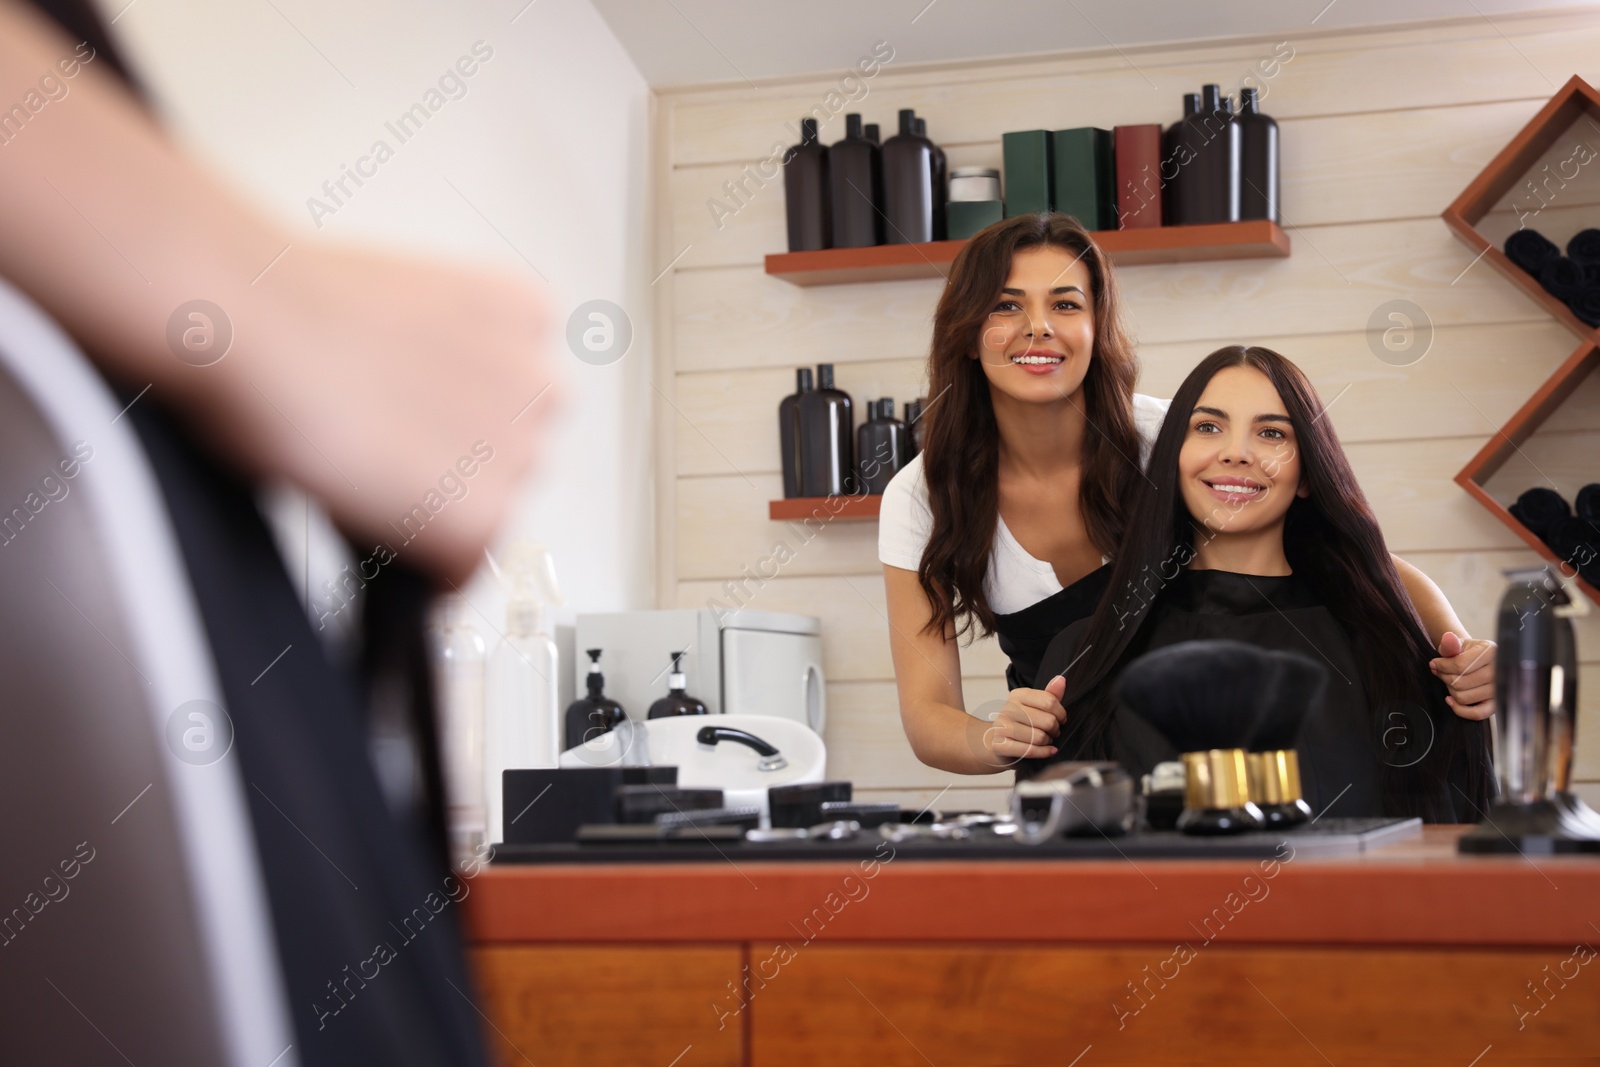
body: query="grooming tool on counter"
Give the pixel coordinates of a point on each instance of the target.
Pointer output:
(643, 803)
(798, 806)
(677, 701)
(868, 815)
(1536, 699)
(837, 830)
(1292, 690)
(744, 818)
(1073, 798)
(1163, 791)
(1203, 695)
(614, 834)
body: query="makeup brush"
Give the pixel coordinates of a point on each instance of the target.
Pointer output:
(1293, 689)
(1204, 696)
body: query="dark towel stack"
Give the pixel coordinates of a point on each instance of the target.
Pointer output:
(1574, 538)
(1573, 279)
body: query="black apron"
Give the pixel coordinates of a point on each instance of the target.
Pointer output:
(1341, 744)
(1025, 635)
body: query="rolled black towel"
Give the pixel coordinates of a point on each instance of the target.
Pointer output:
(1562, 278)
(1577, 543)
(1530, 250)
(1539, 509)
(1586, 305)
(1591, 273)
(1584, 246)
(1587, 505)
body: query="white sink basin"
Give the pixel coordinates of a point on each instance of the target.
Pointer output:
(729, 766)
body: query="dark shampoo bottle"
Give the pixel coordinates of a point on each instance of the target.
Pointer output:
(826, 432)
(855, 175)
(1258, 159)
(789, 432)
(907, 185)
(805, 191)
(881, 446)
(1177, 166)
(1215, 138)
(590, 716)
(941, 181)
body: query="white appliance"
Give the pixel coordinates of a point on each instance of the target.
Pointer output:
(736, 662)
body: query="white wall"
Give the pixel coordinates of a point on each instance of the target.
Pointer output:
(550, 143)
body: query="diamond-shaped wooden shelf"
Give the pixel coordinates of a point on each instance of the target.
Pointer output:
(1576, 101)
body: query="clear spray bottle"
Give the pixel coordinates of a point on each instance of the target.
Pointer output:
(458, 654)
(523, 727)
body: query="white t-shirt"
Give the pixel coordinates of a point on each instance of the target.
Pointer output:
(1016, 580)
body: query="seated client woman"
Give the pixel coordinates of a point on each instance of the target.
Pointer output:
(1252, 527)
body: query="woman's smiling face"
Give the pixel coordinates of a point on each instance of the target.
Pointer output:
(1038, 339)
(1239, 468)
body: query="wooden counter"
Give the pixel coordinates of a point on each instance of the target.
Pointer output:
(1409, 954)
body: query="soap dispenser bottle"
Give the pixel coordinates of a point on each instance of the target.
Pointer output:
(522, 728)
(590, 716)
(880, 446)
(855, 175)
(789, 433)
(1258, 159)
(677, 701)
(826, 428)
(907, 185)
(805, 191)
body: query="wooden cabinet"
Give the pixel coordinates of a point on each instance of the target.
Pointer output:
(1408, 954)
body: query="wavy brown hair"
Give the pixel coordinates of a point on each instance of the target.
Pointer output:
(961, 444)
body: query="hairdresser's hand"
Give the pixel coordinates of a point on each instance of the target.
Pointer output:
(370, 384)
(1467, 670)
(1026, 728)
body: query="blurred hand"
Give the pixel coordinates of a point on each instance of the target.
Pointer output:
(368, 379)
(1467, 670)
(1028, 724)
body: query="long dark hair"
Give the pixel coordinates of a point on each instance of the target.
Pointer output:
(961, 445)
(1333, 543)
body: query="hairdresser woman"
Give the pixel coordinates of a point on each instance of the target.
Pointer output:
(1033, 440)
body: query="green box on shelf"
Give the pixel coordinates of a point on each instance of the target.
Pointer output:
(963, 218)
(1084, 176)
(1027, 171)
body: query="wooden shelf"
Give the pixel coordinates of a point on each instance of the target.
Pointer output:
(1164, 244)
(843, 508)
(1504, 444)
(1574, 100)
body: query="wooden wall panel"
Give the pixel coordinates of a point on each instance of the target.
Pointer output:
(1472, 61)
(589, 1004)
(1380, 131)
(850, 1005)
